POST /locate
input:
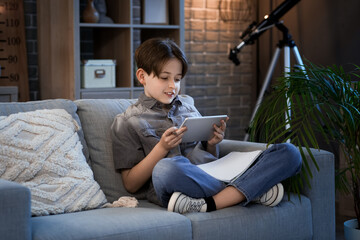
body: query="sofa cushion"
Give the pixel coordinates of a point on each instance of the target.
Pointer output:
(41, 150)
(15, 107)
(113, 223)
(288, 220)
(96, 117)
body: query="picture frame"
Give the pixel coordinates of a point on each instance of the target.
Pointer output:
(155, 12)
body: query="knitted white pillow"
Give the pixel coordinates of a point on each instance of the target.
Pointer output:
(41, 150)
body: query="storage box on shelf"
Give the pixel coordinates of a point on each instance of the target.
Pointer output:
(98, 73)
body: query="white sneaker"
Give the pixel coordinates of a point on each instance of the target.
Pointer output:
(272, 197)
(181, 203)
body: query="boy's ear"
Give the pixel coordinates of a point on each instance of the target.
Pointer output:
(140, 74)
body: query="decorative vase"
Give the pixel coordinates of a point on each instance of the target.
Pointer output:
(90, 14)
(350, 230)
(100, 6)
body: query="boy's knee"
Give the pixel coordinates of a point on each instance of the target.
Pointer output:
(162, 167)
(167, 167)
(293, 155)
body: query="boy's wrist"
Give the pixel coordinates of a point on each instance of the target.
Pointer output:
(159, 148)
(210, 146)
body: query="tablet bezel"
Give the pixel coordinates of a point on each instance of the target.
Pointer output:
(200, 128)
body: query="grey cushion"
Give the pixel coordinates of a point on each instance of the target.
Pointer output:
(96, 118)
(256, 221)
(113, 223)
(14, 107)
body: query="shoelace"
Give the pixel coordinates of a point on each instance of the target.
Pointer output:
(194, 205)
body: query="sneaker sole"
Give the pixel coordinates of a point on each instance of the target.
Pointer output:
(172, 201)
(280, 192)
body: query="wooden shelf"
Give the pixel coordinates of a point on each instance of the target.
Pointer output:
(156, 26)
(81, 41)
(104, 25)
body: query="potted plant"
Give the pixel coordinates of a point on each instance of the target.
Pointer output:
(325, 102)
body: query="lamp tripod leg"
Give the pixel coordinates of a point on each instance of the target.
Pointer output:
(287, 69)
(298, 57)
(300, 64)
(266, 83)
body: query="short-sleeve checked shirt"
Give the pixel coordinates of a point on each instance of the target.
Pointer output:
(136, 131)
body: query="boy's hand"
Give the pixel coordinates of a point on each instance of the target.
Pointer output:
(172, 137)
(219, 133)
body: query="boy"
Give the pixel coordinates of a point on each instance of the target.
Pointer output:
(149, 153)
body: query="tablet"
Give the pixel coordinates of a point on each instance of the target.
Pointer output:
(200, 128)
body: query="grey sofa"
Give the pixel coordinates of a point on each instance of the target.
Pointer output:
(312, 217)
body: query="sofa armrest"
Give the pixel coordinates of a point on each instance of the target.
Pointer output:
(15, 211)
(321, 193)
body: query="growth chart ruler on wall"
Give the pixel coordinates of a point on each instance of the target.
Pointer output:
(13, 57)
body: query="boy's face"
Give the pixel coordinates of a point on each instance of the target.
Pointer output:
(165, 87)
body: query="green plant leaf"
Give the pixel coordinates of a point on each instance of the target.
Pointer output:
(325, 104)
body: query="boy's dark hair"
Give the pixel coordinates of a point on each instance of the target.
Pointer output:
(153, 54)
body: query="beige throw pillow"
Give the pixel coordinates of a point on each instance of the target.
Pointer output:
(41, 150)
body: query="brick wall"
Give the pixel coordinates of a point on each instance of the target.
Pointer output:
(217, 85)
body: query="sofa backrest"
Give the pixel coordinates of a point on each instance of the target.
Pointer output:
(96, 117)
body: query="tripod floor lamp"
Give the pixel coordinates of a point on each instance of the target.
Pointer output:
(286, 44)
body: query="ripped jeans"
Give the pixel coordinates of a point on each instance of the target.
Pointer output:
(178, 174)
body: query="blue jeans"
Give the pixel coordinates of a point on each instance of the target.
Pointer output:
(178, 174)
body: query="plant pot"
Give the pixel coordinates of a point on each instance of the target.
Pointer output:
(350, 230)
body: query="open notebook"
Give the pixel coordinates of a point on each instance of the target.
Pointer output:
(230, 166)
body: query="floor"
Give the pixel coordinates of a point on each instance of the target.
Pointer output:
(340, 233)
(340, 218)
